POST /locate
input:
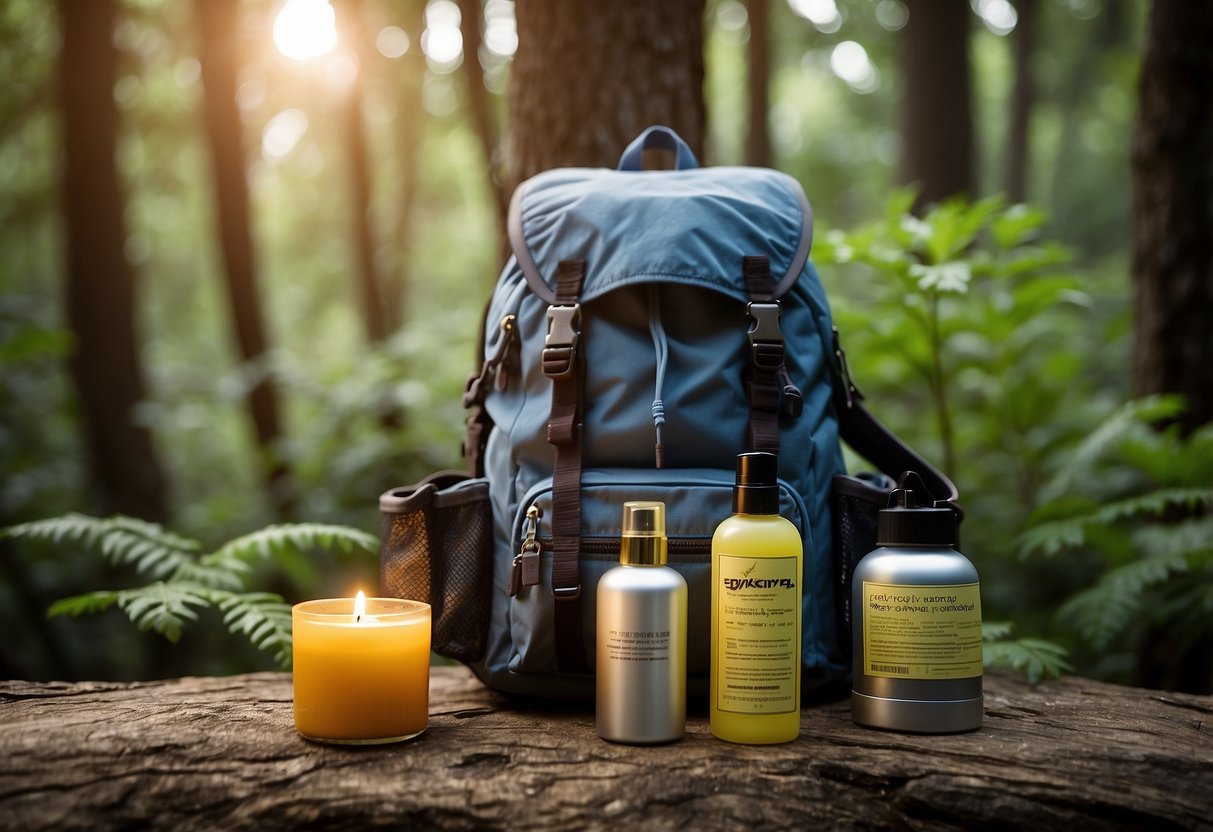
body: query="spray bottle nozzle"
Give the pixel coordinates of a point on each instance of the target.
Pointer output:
(643, 541)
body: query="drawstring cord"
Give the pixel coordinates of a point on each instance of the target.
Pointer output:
(661, 347)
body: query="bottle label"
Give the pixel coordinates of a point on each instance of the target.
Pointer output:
(922, 632)
(638, 645)
(757, 658)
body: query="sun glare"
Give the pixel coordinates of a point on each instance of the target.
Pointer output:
(305, 29)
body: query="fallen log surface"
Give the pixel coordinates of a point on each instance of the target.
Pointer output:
(212, 752)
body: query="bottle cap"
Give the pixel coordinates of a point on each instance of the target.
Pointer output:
(909, 522)
(757, 488)
(644, 541)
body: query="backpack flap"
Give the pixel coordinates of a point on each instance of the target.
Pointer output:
(690, 227)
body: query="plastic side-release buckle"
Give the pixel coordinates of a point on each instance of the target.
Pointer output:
(560, 345)
(766, 338)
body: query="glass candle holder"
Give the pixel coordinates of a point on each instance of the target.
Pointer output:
(361, 678)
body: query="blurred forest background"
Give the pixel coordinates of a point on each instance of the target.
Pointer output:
(245, 247)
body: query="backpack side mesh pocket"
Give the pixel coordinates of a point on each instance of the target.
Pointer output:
(436, 546)
(855, 502)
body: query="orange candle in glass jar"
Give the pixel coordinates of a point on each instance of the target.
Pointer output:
(362, 674)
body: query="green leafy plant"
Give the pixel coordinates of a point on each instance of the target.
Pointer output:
(973, 342)
(1136, 502)
(186, 579)
(959, 297)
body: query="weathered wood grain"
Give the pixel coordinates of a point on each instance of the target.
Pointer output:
(201, 753)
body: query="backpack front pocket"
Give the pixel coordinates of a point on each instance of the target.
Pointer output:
(696, 501)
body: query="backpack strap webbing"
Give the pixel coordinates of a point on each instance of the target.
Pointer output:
(763, 374)
(879, 445)
(564, 364)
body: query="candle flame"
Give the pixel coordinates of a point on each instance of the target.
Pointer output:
(359, 606)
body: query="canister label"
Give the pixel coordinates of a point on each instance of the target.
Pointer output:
(922, 632)
(757, 651)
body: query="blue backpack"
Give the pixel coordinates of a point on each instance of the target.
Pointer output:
(650, 326)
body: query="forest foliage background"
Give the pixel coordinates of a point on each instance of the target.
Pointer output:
(1034, 342)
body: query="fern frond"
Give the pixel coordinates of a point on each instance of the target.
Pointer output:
(164, 607)
(227, 573)
(1052, 537)
(995, 630)
(1124, 421)
(1034, 657)
(1107, 609)
(1188, 537)
(187, 583)
(123, 541)
(1154, 502)
(273, 541)
(90, 603)
(1099, 614)
(262, 617)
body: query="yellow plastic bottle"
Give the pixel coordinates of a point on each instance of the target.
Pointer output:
(757, 560)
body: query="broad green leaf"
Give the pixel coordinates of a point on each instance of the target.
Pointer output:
(1016, 225)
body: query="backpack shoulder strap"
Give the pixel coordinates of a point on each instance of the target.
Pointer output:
(563, 363)
(879, 445)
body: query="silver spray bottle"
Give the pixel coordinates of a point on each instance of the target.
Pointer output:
(641, 636)
(917, 623)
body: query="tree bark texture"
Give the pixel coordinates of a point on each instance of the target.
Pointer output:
(99, 284)
(222, 753)
(589, 76)
(936, 106)
(1173, 209)
(220, 50)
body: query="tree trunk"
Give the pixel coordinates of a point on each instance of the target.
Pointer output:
(1173, 209)
(1023, 98)
(480, 107)
(588, 77)
(409, 133)
(758, 78)
(1173, 256)
(220, 31)
(353, 30)
(99, 285)
(936, 110)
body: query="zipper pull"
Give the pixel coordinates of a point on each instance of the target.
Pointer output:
(528, 558)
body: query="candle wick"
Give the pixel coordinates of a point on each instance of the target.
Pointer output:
(357, 619)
